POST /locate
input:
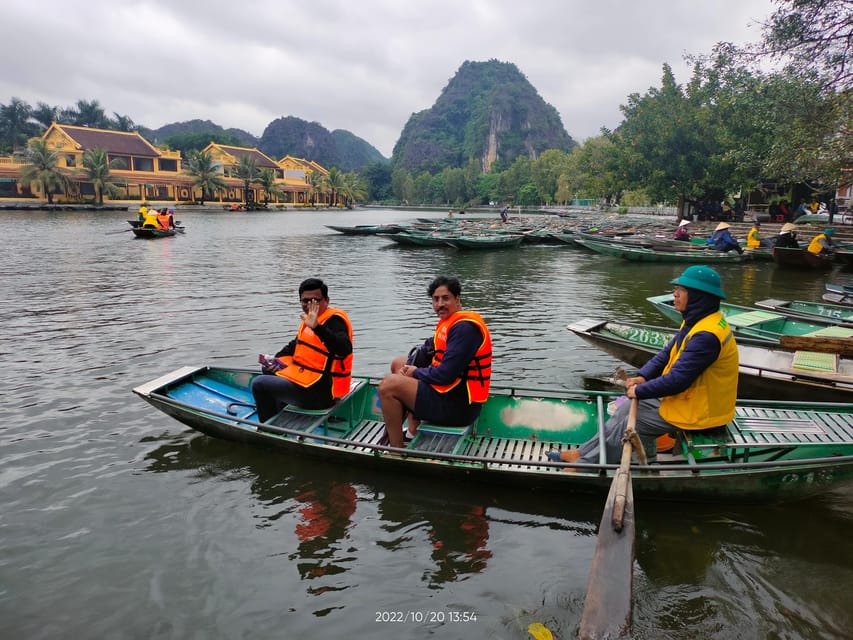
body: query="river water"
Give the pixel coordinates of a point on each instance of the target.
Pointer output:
(118, 522)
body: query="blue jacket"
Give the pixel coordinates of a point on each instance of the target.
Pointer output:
(722, 240)
(700, 352)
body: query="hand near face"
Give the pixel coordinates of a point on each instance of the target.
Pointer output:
(309, 316)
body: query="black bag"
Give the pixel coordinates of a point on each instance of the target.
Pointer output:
(421, 356)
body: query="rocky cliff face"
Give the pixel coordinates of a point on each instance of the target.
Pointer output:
(488, 111)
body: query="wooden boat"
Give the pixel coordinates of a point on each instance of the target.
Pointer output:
(766, 370)
(486, 241)
(640, 254)
(801, 258)
(411, 239)
(804, 309)
(838, 294)
(152, 234)
(761, 323)
(770, 452)
(366, 229)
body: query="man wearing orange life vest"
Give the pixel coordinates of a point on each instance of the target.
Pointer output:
(690, 384)
(315, 368)
(451, 389)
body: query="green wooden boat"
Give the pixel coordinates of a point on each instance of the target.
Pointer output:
(641, 254)
(412, 239)
(766, 370)
(486, 241)
(750, 321)
(770, 452)
(801, 308)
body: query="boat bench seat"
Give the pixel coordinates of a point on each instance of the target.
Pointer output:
(773, 428)
(750, 318)
(299, 419)
(440, 439)
(835, 331)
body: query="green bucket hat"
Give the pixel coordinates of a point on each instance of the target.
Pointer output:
(829, 232)
(702, 278)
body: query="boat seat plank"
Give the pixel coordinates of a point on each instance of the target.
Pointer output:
(439, 438)
(299, 419)
(835, 331)
(750, 318)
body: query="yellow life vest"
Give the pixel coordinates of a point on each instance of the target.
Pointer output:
(710, 401)
(753, 240)
(311, 359)
(150, 219)
(815, 246)
(478, 376)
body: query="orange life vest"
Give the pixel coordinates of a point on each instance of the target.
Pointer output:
(311, 359)
(478, 375)
(163, 220)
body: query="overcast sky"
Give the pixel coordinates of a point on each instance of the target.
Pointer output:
(360, 65)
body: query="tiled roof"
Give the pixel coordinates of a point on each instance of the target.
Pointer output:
(261, 161)
(115, 142)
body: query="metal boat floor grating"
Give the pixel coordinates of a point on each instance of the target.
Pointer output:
(788, 428)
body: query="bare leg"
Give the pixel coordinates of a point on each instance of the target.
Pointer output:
(396, 394)
(396, 364)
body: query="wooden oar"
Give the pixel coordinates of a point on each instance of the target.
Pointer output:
(607, 608)
(109, 233)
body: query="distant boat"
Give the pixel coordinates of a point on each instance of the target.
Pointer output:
(366, 229)
(486, 241)
(640, 254)
(840, 313)
(419, 239)
(766, 370)
(762, 323)
(801, 258)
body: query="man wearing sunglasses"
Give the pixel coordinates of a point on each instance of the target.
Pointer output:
(315, 368)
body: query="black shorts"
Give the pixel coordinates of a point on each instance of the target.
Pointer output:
(450, 409)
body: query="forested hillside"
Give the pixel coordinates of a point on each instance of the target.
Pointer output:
(488, 111)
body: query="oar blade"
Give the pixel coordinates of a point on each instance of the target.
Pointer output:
(607, 608)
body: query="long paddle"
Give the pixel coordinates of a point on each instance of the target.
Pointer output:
(607, 608)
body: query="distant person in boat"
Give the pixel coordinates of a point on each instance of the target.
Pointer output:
(722, 240)
(801, 210)
(754, 239)
(149, 220)
(315, 368)
(505, 214)
(164, 220)
(822, 243)
(143, 211)
(682, 233)
(451, 388)
(691, 384)
(787, 237)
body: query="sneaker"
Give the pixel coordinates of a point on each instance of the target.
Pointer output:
(408, 437)
(553, 456)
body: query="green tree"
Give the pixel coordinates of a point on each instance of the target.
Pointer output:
(421, 192)
(266, 178)
(206, 174)
(187, 142)
(44, 115)
(96, 163)
(42, 170)
(335, 184)
(121, 123)
(354, 188)
(247, 171)
(546, 170)
(15, 125)
(454, 186)
(318, 185)
(378, 177)
(90, 114)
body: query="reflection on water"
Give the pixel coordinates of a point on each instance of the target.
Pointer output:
(116, 521)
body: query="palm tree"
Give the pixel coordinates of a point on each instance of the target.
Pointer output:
(247, 171)
(90, 114)
(335, 183)
(122, 123)
(205, 173)
(317, 181)
(44, 115)
(15, 127)
(266, 178)
(97, 165)
(353, 188)
(43, 170)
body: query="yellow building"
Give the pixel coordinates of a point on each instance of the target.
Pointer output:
(142, 172)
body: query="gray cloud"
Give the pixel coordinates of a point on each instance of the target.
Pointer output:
(362, 66)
